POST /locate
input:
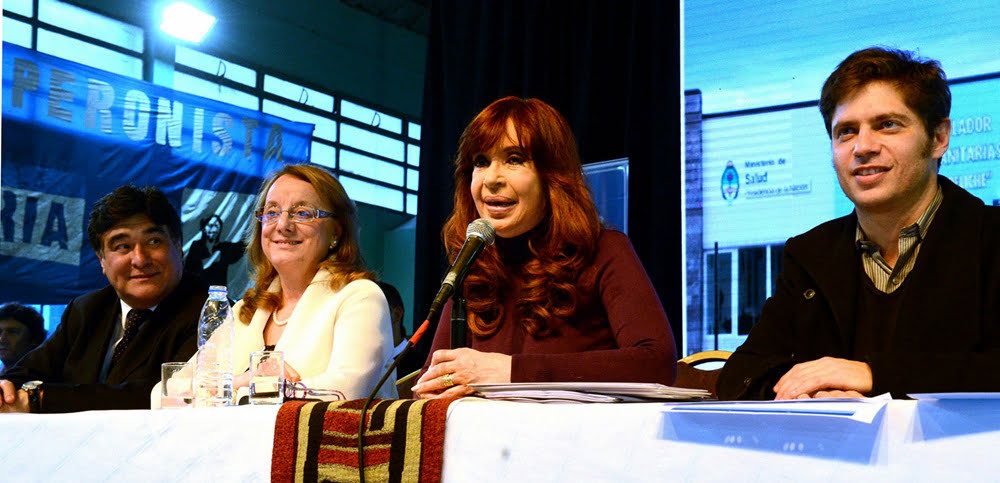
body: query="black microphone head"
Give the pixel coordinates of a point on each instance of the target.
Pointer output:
(483, 230)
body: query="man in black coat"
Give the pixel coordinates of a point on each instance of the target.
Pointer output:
(106, 352)
(903, 294)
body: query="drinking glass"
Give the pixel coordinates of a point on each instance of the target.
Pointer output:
(175, 385)
(267, 377)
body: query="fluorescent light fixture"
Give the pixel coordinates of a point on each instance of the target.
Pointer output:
(182, 20)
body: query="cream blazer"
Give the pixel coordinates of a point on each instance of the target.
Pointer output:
(335, 339)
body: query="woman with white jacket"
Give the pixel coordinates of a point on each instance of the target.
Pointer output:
(313, 299)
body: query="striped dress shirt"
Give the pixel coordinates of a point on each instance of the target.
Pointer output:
(886, 278)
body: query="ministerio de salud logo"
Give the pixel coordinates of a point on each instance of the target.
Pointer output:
(730, 183)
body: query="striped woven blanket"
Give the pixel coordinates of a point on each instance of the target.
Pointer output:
(318, 441)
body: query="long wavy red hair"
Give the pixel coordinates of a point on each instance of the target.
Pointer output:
(552, 285)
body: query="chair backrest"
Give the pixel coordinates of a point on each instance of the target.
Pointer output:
(404, 385)
(690, 375)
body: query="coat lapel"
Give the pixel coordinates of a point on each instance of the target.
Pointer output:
(103, 329)
(309, 305)
(249, 338)
(146, 341)
(137, 352)
(947, 255)
(836, 274)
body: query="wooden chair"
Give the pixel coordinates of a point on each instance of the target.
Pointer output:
(404, 385)
(690, 375)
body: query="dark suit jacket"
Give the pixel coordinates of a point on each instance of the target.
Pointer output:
(70, 361)
(947, 336)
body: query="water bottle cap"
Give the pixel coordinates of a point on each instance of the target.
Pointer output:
(218, 288)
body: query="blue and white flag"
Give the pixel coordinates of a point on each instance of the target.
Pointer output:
(72, 133)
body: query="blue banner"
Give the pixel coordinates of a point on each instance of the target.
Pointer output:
(72, 133)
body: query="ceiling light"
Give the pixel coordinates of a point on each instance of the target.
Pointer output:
(186, 22)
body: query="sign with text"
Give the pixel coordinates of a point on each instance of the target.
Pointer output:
(72, 134)
(770, 176)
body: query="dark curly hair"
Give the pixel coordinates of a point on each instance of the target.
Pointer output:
(128, 201)
(27, 316)
(552, 285)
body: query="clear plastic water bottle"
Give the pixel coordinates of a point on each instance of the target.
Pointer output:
(214, 363)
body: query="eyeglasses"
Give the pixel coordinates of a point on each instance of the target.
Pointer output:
(298, 390)
(297, 215)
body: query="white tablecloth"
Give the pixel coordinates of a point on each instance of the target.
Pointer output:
(525, 442)
(206, 444)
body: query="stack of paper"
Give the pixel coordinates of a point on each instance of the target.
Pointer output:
(858, 409)
(939, 396)
(588, 392)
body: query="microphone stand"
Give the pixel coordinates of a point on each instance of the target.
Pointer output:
(368, 401)
(434, 313)
(483, 232)
(459, 321)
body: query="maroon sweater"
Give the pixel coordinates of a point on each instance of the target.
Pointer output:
(624, 337)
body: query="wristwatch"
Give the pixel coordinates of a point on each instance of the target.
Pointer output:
(34, 390)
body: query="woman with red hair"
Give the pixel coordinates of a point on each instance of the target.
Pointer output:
(559, 298)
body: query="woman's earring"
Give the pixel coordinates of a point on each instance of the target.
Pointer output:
(333, 245)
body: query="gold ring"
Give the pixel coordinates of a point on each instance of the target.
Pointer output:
(447, 380)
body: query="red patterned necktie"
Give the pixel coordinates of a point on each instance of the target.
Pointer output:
(132, 323)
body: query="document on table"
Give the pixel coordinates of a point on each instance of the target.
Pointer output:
(551, 396)
(588, 391)
(857, 409)
(935, 396)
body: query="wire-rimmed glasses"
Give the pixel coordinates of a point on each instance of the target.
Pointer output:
(301, 214)
(298, 390)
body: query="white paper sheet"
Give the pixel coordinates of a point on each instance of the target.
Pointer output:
(955, 395)
(861, 410)
(618, 391)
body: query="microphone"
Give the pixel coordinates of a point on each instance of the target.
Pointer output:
(478, 235)
(371, 397)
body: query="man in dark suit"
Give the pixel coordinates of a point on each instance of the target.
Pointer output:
(106, 352)
(901, 295)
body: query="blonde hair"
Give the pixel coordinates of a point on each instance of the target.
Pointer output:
(343, 261)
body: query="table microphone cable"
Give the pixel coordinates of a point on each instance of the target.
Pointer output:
(478, 235)
(368, 401)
